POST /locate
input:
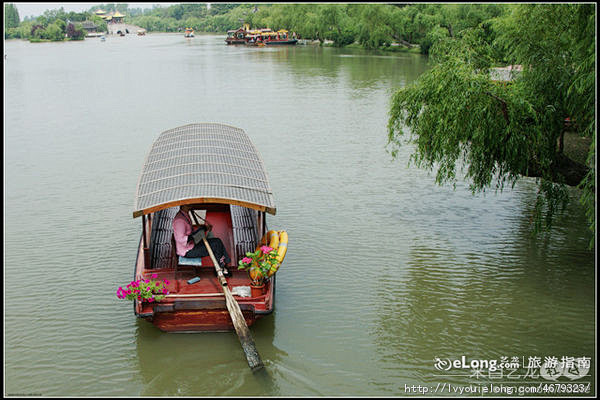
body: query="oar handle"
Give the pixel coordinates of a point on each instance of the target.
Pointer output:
(239, 323)
(215, 262)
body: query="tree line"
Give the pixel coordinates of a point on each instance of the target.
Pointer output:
(454, 114)
(368, 25)
(457, 117)
(414, 26)
(53, 25)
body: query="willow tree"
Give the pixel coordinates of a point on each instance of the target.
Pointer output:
(462, 121)
(11, 16)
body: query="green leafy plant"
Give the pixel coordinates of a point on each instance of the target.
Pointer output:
(145, 290)
(260, 264)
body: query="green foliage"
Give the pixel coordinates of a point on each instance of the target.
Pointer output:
(154, 23)
(53, 32)
(221, 8)
(458, 118)
(78, 17)
(12, 33)
(11, 16)
(99, 22)
(261, 264)
(435, 35)
(75, 32)
(144, 290)
(373, 26)
(370, 25)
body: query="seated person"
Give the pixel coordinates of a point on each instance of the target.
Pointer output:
(184, 241)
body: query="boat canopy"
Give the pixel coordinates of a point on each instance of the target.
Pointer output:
(203, 163)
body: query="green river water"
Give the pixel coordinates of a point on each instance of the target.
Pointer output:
(388, 279)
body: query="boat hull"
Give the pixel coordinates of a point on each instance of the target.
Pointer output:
(204, 314)
(281, 42)
(198, 320)
(235, 41)
(199, 306)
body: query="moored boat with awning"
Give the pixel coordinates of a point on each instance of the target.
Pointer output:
(217, 170)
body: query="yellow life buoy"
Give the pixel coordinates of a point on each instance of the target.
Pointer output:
(281, 250)
(278, 240)
(272, 237)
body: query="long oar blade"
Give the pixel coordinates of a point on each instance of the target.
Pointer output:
(239, 323)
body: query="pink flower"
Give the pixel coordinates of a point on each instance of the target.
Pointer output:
(166, 282)
(146, 280)
(266, 249)
(246, 260)
(165, 291)
(157, 284)
(154, 276)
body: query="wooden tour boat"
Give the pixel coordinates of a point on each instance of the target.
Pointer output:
(267, 37)
(217, 170)
(260, 37)
(237, 36)
(189, 33)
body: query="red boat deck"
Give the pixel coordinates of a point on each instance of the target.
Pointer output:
(201, 306)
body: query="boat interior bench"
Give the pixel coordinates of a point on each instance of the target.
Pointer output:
(196, 262)
(234, 225)
(177, 261)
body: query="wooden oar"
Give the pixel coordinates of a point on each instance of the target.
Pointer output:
(239, 323)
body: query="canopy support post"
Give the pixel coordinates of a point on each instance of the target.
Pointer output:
(145, 241)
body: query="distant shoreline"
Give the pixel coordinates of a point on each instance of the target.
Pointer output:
(114, 28)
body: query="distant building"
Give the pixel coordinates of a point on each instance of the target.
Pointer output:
(89, 26)
(506, 74)
(111, 18)
(117, 17)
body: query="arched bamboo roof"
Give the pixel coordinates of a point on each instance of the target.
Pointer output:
(203, 163)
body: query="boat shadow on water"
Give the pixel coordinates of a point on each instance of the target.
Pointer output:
(208, 363)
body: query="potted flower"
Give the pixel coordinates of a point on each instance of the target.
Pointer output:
(259, 265)
(144, 290)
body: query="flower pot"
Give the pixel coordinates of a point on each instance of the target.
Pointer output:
(256, 291)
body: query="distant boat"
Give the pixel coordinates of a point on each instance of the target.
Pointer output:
(141, 32)
(103, 38)
(237, 36)
(260, 37)
(189, 32)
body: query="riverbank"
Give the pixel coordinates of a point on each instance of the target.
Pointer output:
(114, 28)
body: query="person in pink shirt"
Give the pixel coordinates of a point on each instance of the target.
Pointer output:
(184, 242)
